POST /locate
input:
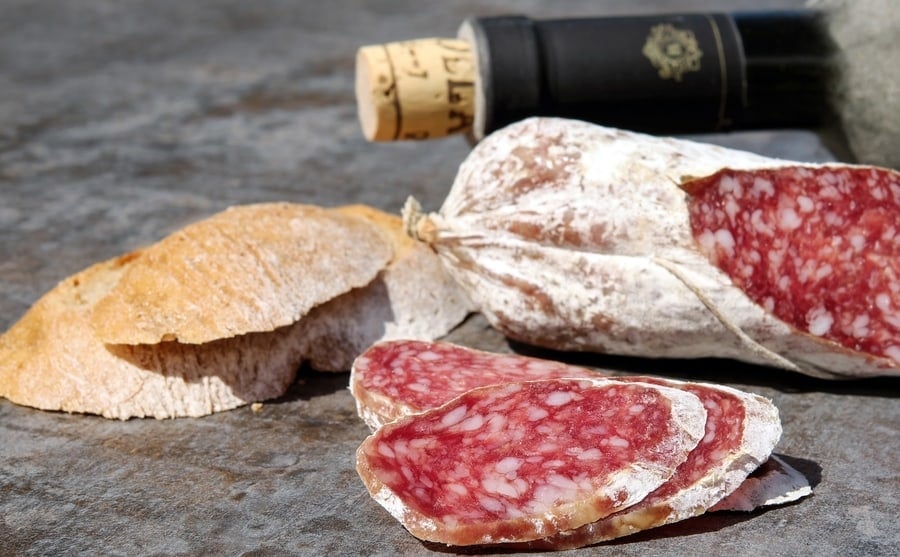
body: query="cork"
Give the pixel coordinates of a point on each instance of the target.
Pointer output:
(419, 89)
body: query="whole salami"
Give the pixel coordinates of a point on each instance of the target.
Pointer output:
(574, 236)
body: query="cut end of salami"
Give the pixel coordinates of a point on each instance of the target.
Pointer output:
(523, 461)
(818, 247)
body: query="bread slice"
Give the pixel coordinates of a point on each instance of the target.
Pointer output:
(216, 315)
(250, 268)
(230, 289)
(412, 298)
(50, 359)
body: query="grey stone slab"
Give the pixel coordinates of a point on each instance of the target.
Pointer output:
(122, 121)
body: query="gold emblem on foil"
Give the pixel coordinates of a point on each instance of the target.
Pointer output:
(672, 51)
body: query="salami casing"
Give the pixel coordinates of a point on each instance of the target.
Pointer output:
(775, 482)
(574, 236)
(522, 461)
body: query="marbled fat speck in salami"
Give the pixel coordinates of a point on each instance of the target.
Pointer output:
(817, 247)
(395, 378)
(522, 461)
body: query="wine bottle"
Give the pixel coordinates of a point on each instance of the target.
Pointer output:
(665, 74)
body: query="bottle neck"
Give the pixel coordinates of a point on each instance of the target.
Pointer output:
(689, 73)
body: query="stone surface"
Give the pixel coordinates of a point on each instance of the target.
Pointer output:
(122, 121)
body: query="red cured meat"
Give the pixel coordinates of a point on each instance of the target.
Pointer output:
(395, 378)
(522, 461)
(817, 247)
(741, 431)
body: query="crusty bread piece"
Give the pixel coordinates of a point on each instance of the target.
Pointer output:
(412, 298)
(250, 268)
(211, 286)
(50, 359)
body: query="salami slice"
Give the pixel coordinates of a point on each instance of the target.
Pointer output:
(817, 247)
(741, 432)
(523, 461)
(396, 378)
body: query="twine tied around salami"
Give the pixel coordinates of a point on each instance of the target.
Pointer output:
(574, 236)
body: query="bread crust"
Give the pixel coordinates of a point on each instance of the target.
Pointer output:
(250, 268)
(233, 290)
(50, 359)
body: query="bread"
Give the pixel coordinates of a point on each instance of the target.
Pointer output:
(250, 268)
(235, 291)
(50, 359)
(412, 298)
